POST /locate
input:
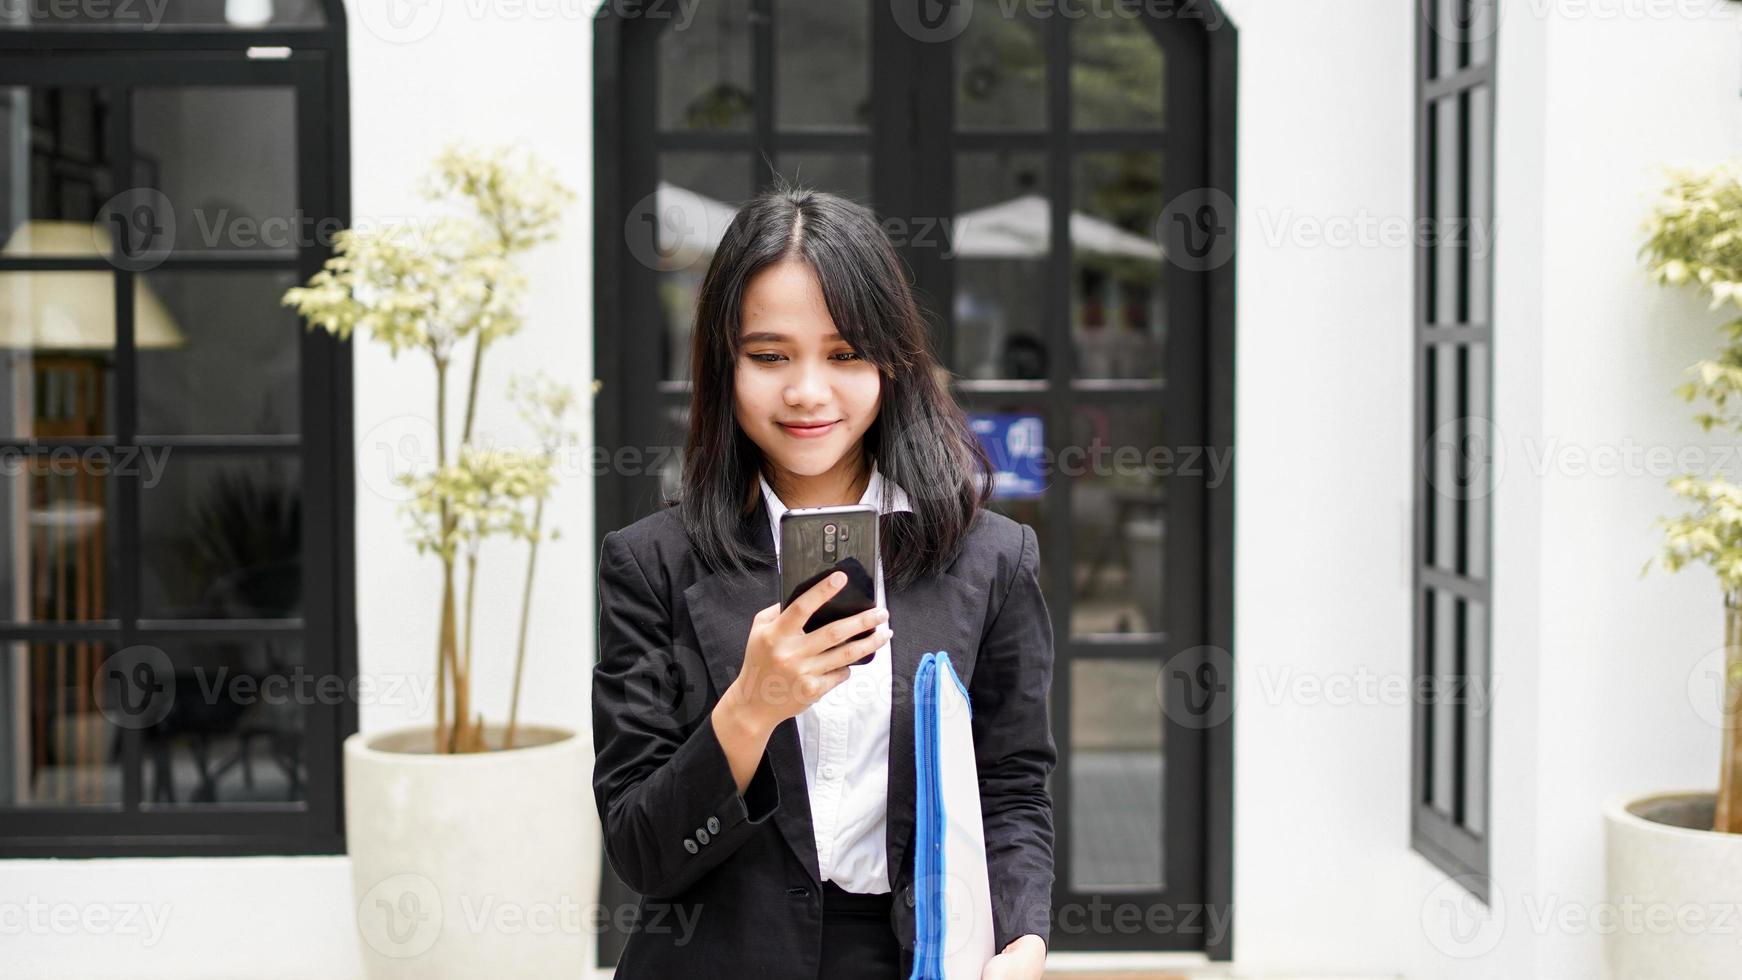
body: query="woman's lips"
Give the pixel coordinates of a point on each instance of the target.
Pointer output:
(808, 431)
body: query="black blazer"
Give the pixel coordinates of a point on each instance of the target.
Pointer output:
(729, 883)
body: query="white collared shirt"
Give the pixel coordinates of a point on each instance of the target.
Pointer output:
(845, 739)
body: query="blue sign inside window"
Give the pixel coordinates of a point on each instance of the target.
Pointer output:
(1015, 443)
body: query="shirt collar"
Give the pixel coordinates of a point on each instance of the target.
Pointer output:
(873, 495)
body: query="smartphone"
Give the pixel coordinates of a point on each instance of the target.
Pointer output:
(816, 541)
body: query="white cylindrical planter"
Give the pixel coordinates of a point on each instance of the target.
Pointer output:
(1673, 888)
(473, 865)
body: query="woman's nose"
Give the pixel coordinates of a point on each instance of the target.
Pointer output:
(809, 388)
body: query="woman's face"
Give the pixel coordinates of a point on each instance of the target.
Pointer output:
(794, 368)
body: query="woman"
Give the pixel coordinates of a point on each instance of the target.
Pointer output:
(755, 787)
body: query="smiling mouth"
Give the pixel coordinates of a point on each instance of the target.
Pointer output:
(808, 431)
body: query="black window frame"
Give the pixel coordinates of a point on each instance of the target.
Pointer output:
(1451, 744)
(1201, 757)
(315, 66)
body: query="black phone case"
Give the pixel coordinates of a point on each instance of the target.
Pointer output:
(801, 552)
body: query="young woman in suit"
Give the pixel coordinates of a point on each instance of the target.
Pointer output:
(756, 788)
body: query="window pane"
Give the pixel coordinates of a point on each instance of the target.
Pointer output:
(846, 174)
(225, 158)
(697, 198)
(61, 527)
(233, 732)
(1000, 70)
(704, 70)
(57, 352)
(1480, 230)
(1460, 459)
(59, 742)
(234, 14)
(221, 538)
(1116, 775)
(1117, 310)
(1116, 71)
(822, 64)
(1000, 242)
(1118, 526)
(213, 323)
(57, 168)
(1448, 300)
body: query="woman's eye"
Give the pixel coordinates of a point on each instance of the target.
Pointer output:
(768, 358)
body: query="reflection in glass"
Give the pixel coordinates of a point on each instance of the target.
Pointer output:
(230, 318)
(58, 744)
(225, 157)
(56, 166)
(60, 537)
(822, 65)
(697, 198)
(1118, 318)
(1116, 775)
(1000, 70)
(1117, 71)
(1117, 518)
(221, 538)
(233, 732)
(704, 70)
(1000, 241)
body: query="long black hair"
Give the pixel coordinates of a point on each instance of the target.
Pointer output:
(920, 438)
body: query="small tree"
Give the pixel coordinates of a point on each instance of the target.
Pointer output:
(446, 287)
(1695, 237)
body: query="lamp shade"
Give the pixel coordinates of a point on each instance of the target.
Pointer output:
(43, 310)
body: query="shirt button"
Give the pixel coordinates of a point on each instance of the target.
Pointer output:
(829, 771)
(690, 845)
(713, 826)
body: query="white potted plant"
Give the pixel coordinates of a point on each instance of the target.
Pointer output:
(1675, 858)
(472, 845)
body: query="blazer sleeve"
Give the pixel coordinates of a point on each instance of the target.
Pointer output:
(670, 809)
(1014, 752)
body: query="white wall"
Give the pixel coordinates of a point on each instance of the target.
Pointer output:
(1322, 517)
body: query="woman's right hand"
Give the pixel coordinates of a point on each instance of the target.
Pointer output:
(785, 669)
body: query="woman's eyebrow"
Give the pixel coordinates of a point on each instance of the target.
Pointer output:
(770, 336)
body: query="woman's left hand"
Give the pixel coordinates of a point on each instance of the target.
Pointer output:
(1023, 959)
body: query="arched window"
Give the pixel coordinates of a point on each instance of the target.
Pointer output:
(1057, 176)
(177, 528)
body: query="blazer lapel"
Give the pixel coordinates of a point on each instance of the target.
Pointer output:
(936, 612)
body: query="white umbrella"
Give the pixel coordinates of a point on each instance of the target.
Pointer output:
(1017, 228)
(690, 225)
